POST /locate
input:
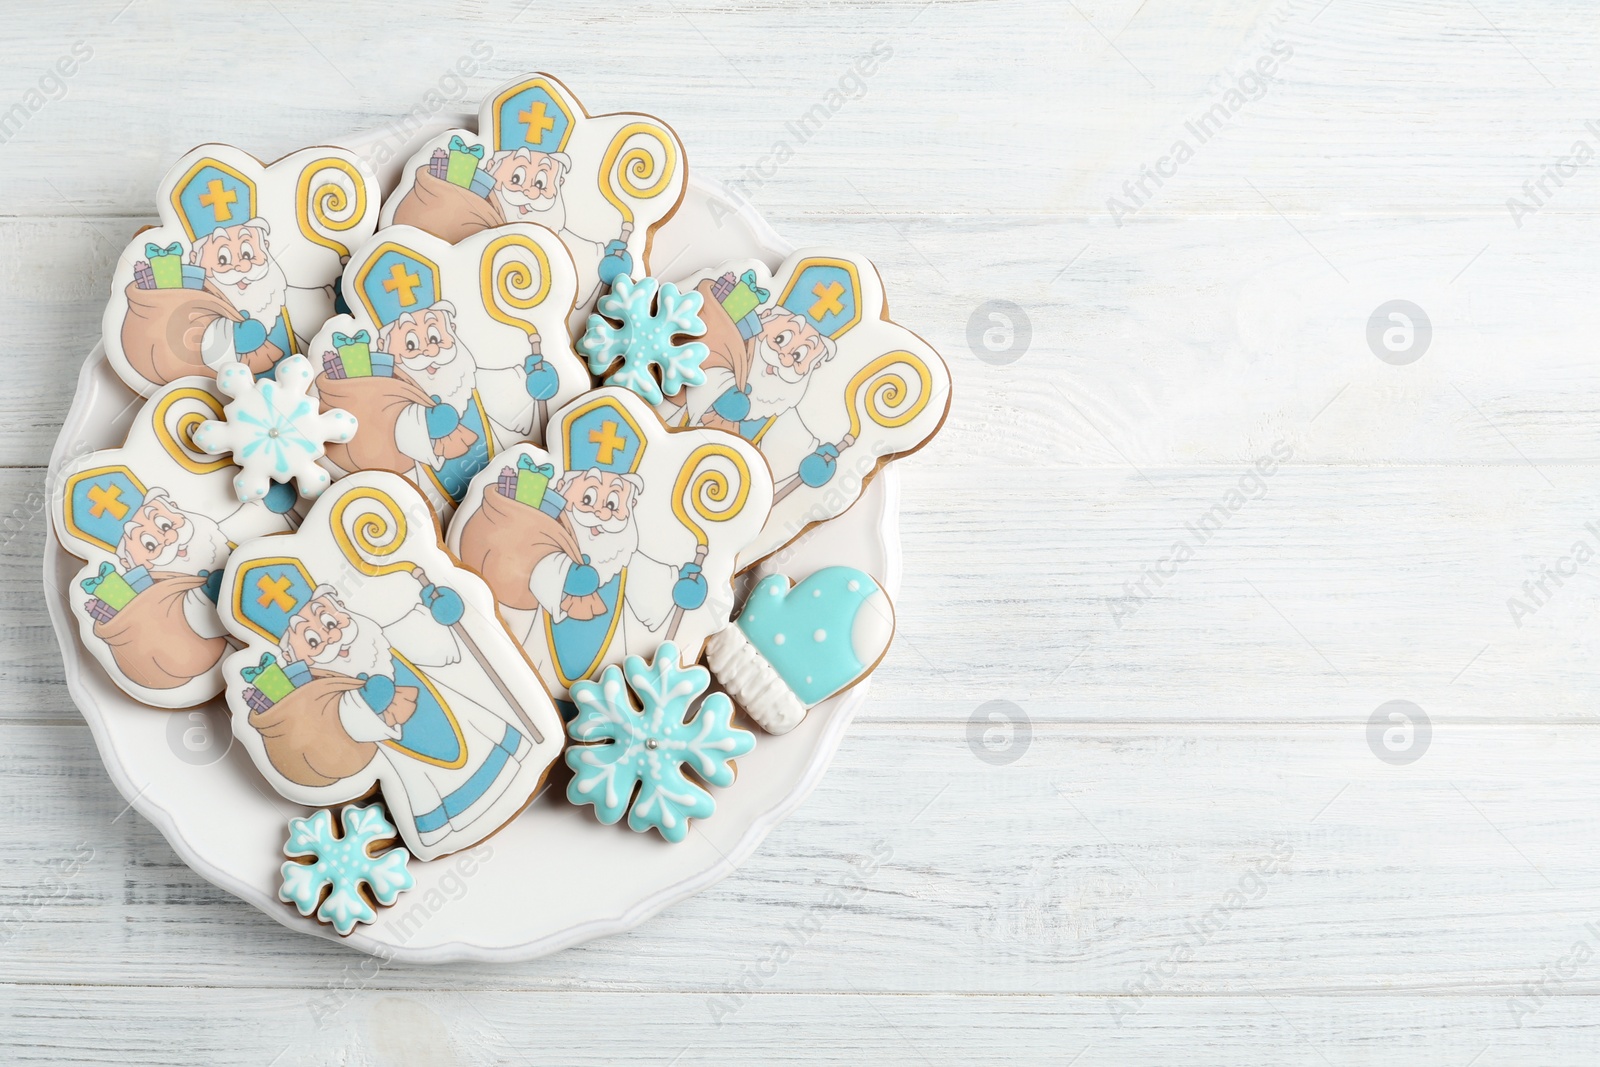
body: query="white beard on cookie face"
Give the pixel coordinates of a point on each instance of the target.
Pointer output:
(361, 649)
(774, 388)
(261, 291)
(609, 543)
(237, 261)
(204, 548)
(518, 206)
(425, 345)
(600, 505)
(527, 186)
(163, 537)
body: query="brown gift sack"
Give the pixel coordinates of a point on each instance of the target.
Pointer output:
(729, 350)
(445, 210)
(506, 539)
(162, 332)
(304, 739)
(376, 403)
(153, 643)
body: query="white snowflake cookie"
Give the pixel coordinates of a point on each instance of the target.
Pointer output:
(274, 430)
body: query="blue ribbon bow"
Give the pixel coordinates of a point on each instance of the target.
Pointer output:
(151, 251)
(458, 145)
(526, 463)
(268, 661)
(749, 278)
(91, 584)
(362, 337)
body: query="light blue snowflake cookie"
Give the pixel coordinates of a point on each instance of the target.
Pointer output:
(342, 865)
(640, 334)
(620, 748)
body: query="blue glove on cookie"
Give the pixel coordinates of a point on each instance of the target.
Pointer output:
(690, 590)
(444, 603)
(442, 420)
(248, 335)
(377, 691)
(617, 261)
(542, 381)
(818, 467)
(733, 405)
(581, 580)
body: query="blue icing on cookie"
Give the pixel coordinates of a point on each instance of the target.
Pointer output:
(822, 635)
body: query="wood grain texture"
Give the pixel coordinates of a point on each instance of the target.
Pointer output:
(1195, 854)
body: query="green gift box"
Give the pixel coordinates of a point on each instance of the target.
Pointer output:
(464, 162)
(462, 168)
(111, 587)
(741, 301)
(531, 481)
(166, 265)
(355, 353)
(269, 678)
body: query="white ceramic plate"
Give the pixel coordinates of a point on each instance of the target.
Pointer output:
(555, 876)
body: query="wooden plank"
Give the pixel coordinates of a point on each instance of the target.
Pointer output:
(443, 1028)
(1279, 860)
(1368, 114)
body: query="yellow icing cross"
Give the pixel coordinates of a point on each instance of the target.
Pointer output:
(827, 300)
(538, 124)
(399, 279)
(274, 593)
(105, 499)
(217, 199)
(606, 437)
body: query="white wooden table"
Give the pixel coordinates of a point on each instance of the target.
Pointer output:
(1187, 847)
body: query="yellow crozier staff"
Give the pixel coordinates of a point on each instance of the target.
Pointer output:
(337, 204)
(701, 485)
(521, 283)
(626, 173)
(883, 385)
(378, 530)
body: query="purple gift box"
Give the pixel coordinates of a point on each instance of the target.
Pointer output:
(256, 699)
(723, 286)
(507, 483)
(143, 276)
(99, 610)
(439, 164)
(332, 365)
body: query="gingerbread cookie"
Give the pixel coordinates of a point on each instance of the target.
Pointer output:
(791, 649)
(371, 659)
(451, 354)
(630, 760)
(242, 266)
(603, 182)
(806, 365)
(156, 519)
(620, 537)
(273, 430)
(337, 876)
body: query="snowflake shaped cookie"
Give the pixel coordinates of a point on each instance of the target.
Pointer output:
(342, 865)
(274, 430)
(649, 322)
(620, 748)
